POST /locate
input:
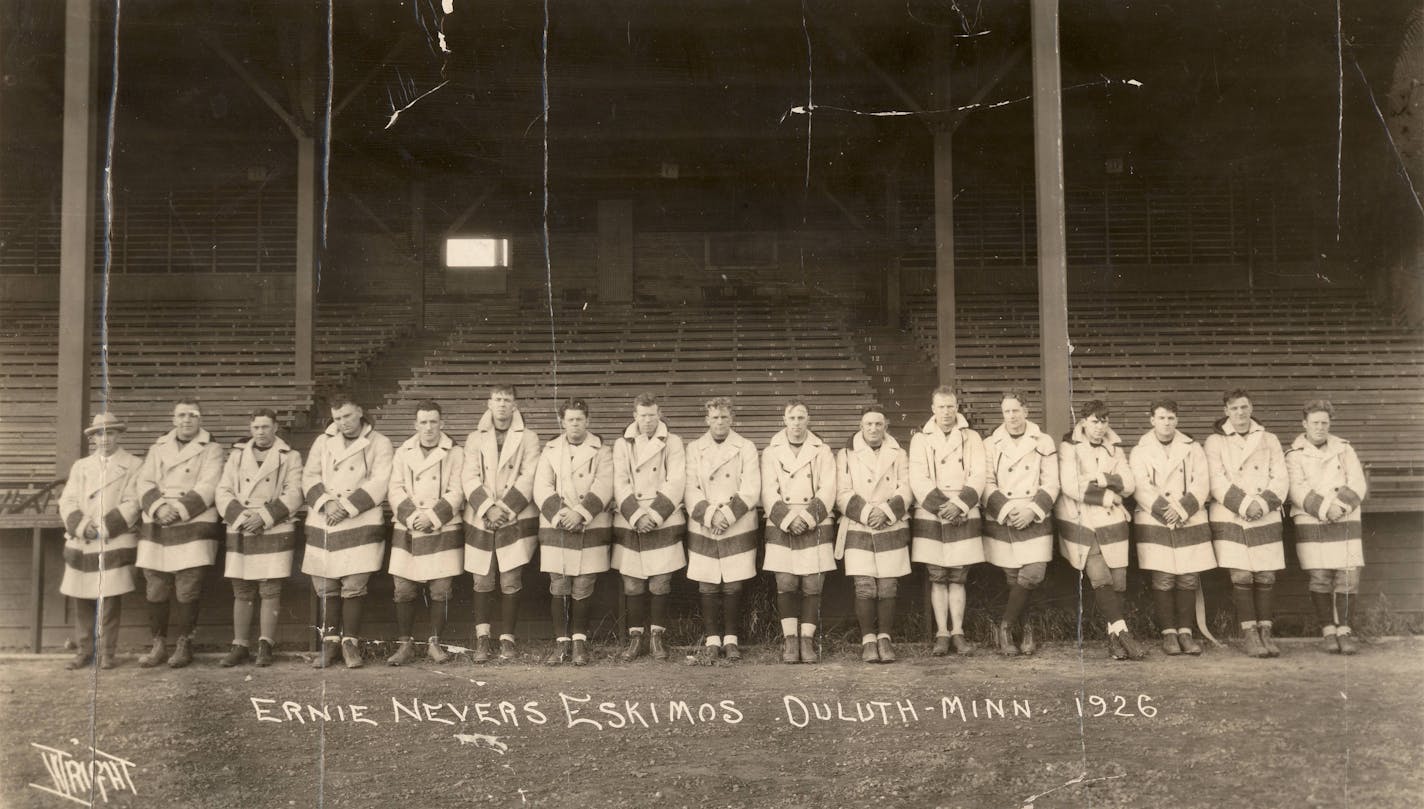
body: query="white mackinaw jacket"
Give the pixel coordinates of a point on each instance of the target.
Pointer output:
(724, 478)
(429, 484)
(947, 467)
(186, 477)
(1019, 471)
(500, 474)
(1319, 478)
(272, 488)
(868, 479)
(1172, 476)
(1246, 468)
(356, 475)
(799, 483)
(649, 480)
(99, 493)
(1087, 472)
(577, 477)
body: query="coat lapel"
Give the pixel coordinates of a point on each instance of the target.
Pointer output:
(715, 455)
(270, 464)
(512, 440)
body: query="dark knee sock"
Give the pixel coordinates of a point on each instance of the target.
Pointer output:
(185, 618)
(158, 618)
(865, 615)
(885, 614)
(712, 614)
(351, 616)
(811, 610)
(1343, 603)
(1265, 598)
(731, 612)
(508, 612)
(1245, 601)
(1109, 603)
(439, 611)
(85, 612)
(1018, 599)
(578, 615)
(1186, 608)
(787, 606)
(1165, 607)
(484, 607)
(637, 611)
(405, 619)
(558, 616)
(658, 608)
(1324, 604)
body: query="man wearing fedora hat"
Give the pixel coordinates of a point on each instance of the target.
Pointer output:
(99, 541)
(176, 489)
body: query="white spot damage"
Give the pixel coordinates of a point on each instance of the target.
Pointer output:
(482, 740)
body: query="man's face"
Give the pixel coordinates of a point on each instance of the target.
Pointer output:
(347, 419)
(501, 407)
(263, 430)
(106, 442)
(719, 421)
(798, 423)
(945, 409)
(1317, 426)
(1164, 424)
(1095, 429)
(575, 424)
(188, 421)
(647, 418)
(872, 428)
(1015, 417)
(1238, 412)
(427, 427)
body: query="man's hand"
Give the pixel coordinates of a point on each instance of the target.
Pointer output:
(720, 522)
(90, 531)
(877, 519)
(421, 522)
(498, 516)
(1335, 512)
(951, 513)
(1171, 517)
(333, 512)
(250, 522)
(571, 520)
(1254, 511)
(1020, 518)
(798, 526)
(645, 524)
(1109, 498)
(166, 514)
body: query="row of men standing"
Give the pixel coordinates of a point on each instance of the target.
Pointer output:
(484, 510)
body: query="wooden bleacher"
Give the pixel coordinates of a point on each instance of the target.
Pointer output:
(1284, 346)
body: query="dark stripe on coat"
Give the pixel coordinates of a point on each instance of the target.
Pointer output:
(721, 547)
(83, 562)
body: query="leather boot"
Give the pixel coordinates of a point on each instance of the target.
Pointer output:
(790, 649)
(433, 651)
(1131, 646)
(887, 652)
(635, 648)
(560, 654)
(1254, 647)
(327, 657)
(405, 653)
(79, 661)
(941, 646)
(1348, 646)
(351, 653)
(236, 655)
(708, 654)
(156, 655)
(1170, 646)
(264, 653)
(731, 652)
(482, 649)
(1115, 649)
(182, 653)
(870, 652)
(1004, 639)
(1028, 646)
(1328, 644)
(808, 650)
(959, 644)
(506, 649)
(580, 655)
(657, 647)
(107, 661)
(1272, 650)
(1189, 643)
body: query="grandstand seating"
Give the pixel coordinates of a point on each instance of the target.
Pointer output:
(1284, 346)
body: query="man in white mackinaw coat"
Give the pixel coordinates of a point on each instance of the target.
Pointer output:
(573, 486)
(346, 478)
(1327, 485)
(947, 474)
(501, 521)
(1094, 479)
(649, 480)
(176, 486)
(1020, 487)
(798, 491)
(873, 496)
(1249, 481)
(427, 545)
(100, 545)
(723, 490)
(260, 490)
(1170, 524)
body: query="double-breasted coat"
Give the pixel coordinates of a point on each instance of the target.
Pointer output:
(186, 477)
(1171, 476)
(873, 479)
(722, 477)
(1019, 471)
(649, 480)
(1086, 473)
(1319, 478)
(578, 477)
(799, 482)
(427, 483)
(504, 474)
(99, 494)
(271, 487)
(1246, 468)
(947, 467)
(357, 475)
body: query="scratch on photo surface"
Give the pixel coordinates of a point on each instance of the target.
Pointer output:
(482, 740)
(1339, 113)
(808, 109)
(1394, 147)
(1081, 779)
(544, 217)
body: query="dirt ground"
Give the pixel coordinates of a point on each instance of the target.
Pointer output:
(1304, 730)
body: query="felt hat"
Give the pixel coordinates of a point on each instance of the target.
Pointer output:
(105, 421)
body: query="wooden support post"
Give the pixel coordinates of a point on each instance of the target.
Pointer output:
(76, 238)
(1052, 234)
(306, 281)
(37, 590)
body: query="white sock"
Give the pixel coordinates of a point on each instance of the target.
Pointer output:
(1248, 624)
(729, 640)
(562, 639)
(714, 640)
(637, 630)
(1342, 630)
(1185, 631)
(482, 630)
(580, 636)
(509, 638)
(244, 644)
(657, 630)
(864, 639)
(808, 630)
(943, 633)
(1327, 631)
(788, 627)
(885, 635)
(1117, 626)
(1169, 632)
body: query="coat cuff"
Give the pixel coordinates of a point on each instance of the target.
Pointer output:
(1093, 495)
(191, 505)
(888, 511)
(780, 515)
(587, 515)
(361, 501)
(896, 508)
(1273, 503)
(515, 501)
(149, 500)
(817, 510)
(1313, 503)
(477, 499)
(72, 520)
(855, 509)
(699, 511)
(444, 512)
(115, 523)
(663, 506)
(1235, 500)
(1114, 483)
(997, 501)
(1348, 496)
(233, 511)
(277, 512)
(738, 507)
(315, 494)
(1189, 504)
(968, 498)
(628, 507)
(1159, 509)
(1042, 503)
(593, 504)
(551, 507)
(934, 500)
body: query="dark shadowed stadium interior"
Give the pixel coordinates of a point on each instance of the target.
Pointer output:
(699, 199)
